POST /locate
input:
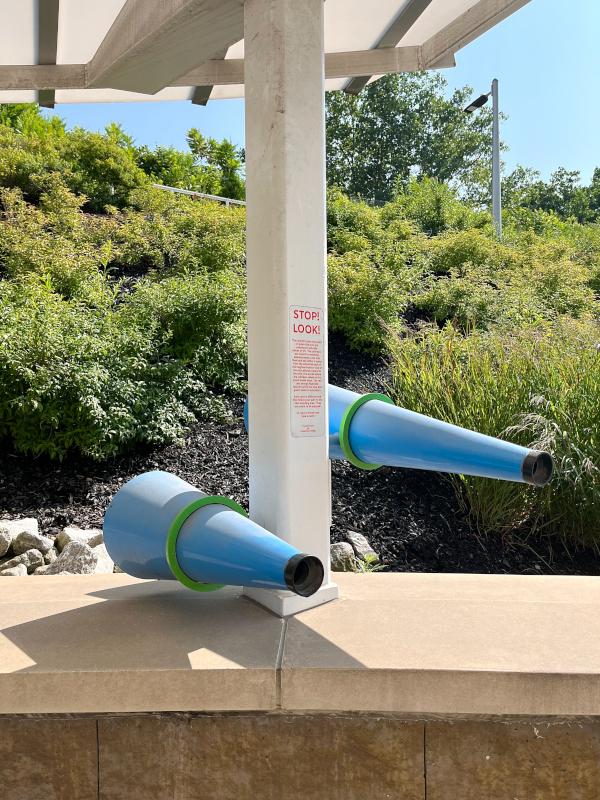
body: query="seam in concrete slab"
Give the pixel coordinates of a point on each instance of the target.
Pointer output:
(279, 664)
(98, 758)
(424, 761)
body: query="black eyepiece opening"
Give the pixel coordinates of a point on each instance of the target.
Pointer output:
(537, 468)
(304, 574)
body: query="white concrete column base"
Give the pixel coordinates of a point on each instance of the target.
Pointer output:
(286, 603)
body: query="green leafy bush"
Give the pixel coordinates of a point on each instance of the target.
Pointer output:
(352, 226)
(52, 242)
(101, 170)
(174, 234)
(99, 380)
(365, 301)
(433, 207)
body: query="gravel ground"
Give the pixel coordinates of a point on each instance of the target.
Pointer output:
(411, 518)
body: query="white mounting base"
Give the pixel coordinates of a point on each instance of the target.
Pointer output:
(285, 603)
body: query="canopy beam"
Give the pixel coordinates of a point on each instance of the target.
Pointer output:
(47, 42)
(153, 42)
(476, 21)
(399, 27)
(221, 72)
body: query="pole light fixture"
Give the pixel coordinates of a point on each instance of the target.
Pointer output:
(496, 186)
(481, 101)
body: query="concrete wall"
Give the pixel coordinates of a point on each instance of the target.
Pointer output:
(275, 756)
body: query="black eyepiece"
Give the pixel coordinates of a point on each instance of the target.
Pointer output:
(304, 574)
(537, 468)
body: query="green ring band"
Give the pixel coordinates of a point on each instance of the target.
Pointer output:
(173, 533)
(345, 429)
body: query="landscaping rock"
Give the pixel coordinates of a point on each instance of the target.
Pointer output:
(77, 558)
(342, 557)
(105, 563)
(10, 529)
(31, 559)
(362, 548)
(14, 572)
(51, 556)
(28, 540)
(5, 542)
(92, 537)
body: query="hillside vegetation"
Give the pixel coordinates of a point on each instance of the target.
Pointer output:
(122, 312)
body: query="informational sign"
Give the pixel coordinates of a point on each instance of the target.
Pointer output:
(307, 389)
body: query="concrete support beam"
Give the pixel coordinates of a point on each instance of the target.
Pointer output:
(337, 65)
(43, 77)
(478, 19)
(399, 27)
(47, 40)
(221, 72)
(201, 93)
(152, 42)
(287, 361)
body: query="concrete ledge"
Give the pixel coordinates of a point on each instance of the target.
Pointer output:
(410, 644)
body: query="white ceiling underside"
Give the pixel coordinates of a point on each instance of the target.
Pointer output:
(350, 25)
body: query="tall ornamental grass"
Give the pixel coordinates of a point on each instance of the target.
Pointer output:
(539, 388)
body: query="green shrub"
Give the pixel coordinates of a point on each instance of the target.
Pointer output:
(540, 388)
(52, 242)
(473, 280)
(433, 207)
(100, 380)
(352, 225)
(24, 159)
(101, 170)
(365, 301)
(90, 164)
(171, 233)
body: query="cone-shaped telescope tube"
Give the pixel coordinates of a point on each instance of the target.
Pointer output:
(384, 434)
(159, 526)
(377, 433)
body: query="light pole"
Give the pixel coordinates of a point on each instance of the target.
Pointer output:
(496, 184)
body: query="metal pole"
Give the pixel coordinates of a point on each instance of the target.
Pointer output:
(496, 186)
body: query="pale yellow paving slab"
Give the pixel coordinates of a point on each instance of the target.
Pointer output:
(467, 644)
(399, 643)
(113, 643)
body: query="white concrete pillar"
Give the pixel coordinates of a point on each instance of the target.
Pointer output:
(287, 302)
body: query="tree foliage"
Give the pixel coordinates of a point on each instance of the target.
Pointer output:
(402, 126)
(562, 195)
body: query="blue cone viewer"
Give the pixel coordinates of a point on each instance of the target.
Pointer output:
(159, 526)
(370, 431)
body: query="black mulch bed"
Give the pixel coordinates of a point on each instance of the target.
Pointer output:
(412, 518)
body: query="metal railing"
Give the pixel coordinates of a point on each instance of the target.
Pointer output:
(228, 201)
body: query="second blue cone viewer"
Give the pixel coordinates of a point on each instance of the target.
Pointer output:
(370, 431)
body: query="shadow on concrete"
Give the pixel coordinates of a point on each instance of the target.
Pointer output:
(158, 625)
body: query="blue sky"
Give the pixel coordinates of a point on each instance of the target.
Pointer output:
(546, 58)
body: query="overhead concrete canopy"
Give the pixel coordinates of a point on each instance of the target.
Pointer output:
(126, 50)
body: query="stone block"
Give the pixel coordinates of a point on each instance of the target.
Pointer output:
(266, 756)
(502, 760)
(48, 759)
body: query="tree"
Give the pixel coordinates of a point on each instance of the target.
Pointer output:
(399, 127)
(562, 195)
(223, 156)
(173, 167)
(26, 118)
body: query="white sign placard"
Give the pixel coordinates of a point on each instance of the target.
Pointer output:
(307, 384)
